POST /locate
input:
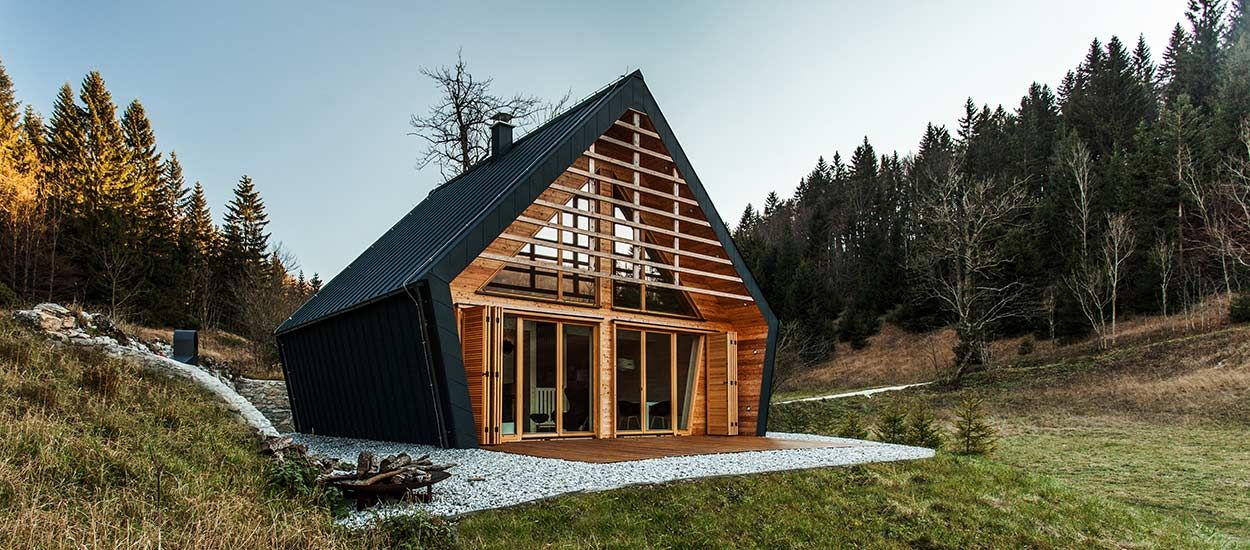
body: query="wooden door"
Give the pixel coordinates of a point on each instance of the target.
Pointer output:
(722, 384)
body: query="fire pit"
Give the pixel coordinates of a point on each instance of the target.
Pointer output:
(396, 476)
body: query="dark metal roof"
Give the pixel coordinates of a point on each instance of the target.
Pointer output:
(443, 234)
(404, 253)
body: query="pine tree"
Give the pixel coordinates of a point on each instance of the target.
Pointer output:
(109, 168)
(105, 241)
(922, 429)
(1147, 75)
(892, 423)
(174, 187)
(1238, 23)
(245, 246)
(245, 221)
(852, 427)
(1233, 90)
(9, 106)
(200, 249)
(145, 159)
(198, 223)
(1203, 64)
(314, 284)
(1171, 72)
(65, 190)
(973, 434)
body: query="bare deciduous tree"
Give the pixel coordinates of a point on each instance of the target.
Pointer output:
(456, 130)
(1095, 282)
(1164, 257)
(121, 267)
(1118, 244)
(960, 256)
(1234, 226)
(795, 353)
(1077, 159)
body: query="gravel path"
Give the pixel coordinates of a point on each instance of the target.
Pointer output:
(511, 479)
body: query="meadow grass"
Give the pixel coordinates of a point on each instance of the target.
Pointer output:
(946, 502)
(84, 436)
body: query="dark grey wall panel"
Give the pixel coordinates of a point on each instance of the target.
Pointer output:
(362, 374)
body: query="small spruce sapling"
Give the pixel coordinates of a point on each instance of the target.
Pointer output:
(973, 434)
(852, 427)
(1239, 309)
(922, 428)
(892, 423)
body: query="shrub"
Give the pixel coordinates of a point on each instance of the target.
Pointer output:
(294, 476)
(892, 423)
(1026, 347)
(856, 324)
(851, 426)
(973, 434)
(417, 531)
(102, 378)
(1239, 309)
(922, 429)
(8, 298)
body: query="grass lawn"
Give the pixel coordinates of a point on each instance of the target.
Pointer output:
(1198, 472)
(946, 502)
(1160, 426)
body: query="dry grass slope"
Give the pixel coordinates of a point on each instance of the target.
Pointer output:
(83, 436)
(1159, 421)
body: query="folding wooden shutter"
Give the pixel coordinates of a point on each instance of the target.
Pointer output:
(494, 319)
(475, 350)
(722, 384)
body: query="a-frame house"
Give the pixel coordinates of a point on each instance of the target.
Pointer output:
(578, 283)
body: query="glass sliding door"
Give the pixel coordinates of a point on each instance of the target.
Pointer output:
(688, 355)
(658, 390)
(538, 363)
(509, 373)
(550, 391)
(578, 392)
(655, 374)
(628, 380)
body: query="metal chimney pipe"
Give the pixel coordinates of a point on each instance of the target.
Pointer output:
(500, 134)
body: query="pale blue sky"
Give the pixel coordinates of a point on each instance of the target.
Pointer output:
(312, 99)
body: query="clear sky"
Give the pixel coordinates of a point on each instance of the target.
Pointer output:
(312, 99)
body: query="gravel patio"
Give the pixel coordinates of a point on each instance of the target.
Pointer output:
(485, 479)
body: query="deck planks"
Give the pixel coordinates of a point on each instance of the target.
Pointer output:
(621, 449)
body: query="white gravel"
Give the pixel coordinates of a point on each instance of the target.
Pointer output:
(512, 479)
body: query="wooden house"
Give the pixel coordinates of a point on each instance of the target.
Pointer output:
(578, 283)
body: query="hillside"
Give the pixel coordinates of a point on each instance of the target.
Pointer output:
(1157, 422)
(95, 452)
(85, 439)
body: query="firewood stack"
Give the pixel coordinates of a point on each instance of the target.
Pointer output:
(397, 475)
(400, 470)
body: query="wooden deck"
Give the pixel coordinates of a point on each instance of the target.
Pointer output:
(621, 449)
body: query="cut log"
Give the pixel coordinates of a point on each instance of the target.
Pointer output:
(397, 461)
(381, 477)
(366, 464)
